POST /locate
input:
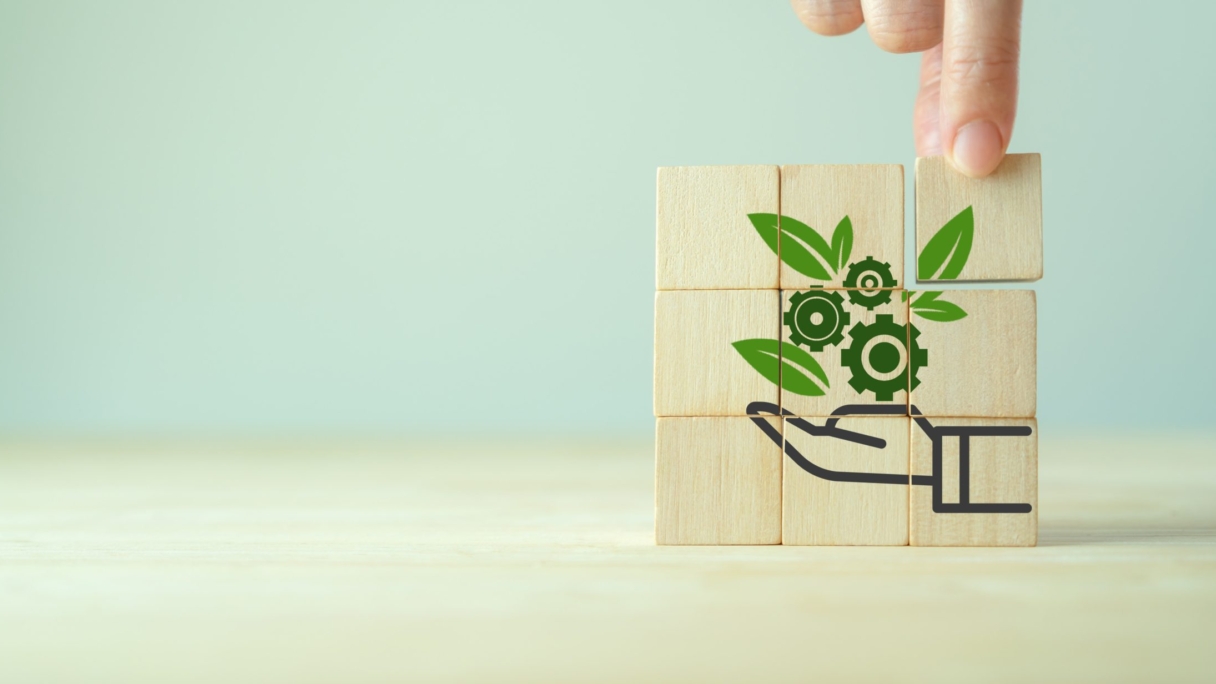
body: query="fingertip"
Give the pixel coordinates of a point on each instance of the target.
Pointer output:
(978, 148)
(829, 17)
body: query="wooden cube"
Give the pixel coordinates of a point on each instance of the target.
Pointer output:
(705, 239)
(857, 338)
(718, 481)
(979, 228)
(698, 368)
(975, 482)
(845, 482)
(819, 198)
(981, 353)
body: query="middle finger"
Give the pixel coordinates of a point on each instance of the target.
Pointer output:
(904, 25)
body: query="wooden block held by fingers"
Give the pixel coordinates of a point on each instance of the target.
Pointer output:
(834, 217)
(717, 481)
(699, 369)
(979, 229)
(975, 482)
(868, 504)
(705, 239)
(981, 348)
(857, 338)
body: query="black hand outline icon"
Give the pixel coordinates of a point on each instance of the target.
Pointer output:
(760, 410)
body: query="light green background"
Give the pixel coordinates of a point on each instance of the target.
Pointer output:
(394, 218)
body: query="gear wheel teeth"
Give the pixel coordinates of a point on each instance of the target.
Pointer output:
(833, 319)
(848, 356)
(877, 293)
(915, 358)
(880, 269)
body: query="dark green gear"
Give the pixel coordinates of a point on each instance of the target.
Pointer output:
(868, 277)
(816, 319)
(880, 371)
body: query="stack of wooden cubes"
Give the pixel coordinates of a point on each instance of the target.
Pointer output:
(803, 396)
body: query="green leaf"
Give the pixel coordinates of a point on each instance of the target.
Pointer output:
(952, 242)
(903, 296)
(766, 357)
(923, 299)
(766, 225)
(796, 237)
(928, 306)
(842, 243)
(798, 258)
(793, 379)
(941, 311)
(763, 355)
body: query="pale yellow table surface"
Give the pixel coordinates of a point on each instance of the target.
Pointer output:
(423, 562)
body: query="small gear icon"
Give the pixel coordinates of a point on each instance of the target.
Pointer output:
(884, 357)
(816, 319)
(868, 277)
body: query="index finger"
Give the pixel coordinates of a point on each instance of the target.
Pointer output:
(979, 83)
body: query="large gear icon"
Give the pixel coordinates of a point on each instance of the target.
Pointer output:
(816, 319)
(868, 277)
(884, 357)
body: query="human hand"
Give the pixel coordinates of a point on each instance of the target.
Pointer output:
(968, 74)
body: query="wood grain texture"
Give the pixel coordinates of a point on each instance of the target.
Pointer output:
(1003, 469)
(717, 481)
(704, 238)
(983, 365)
(818, 512)
(1008, 215)
(462, 560)
(871, 195)
(696, 370)
(840, 392)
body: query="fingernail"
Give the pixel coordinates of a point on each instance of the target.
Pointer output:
(977, 148)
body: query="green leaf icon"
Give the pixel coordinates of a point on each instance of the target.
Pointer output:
(763, 355)
(794, 378)
(766, 357)
(929, 307)
(952, 242)
(798, 258)
(766, 225)
(796, 237)
(943, 312)
(842, 243)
